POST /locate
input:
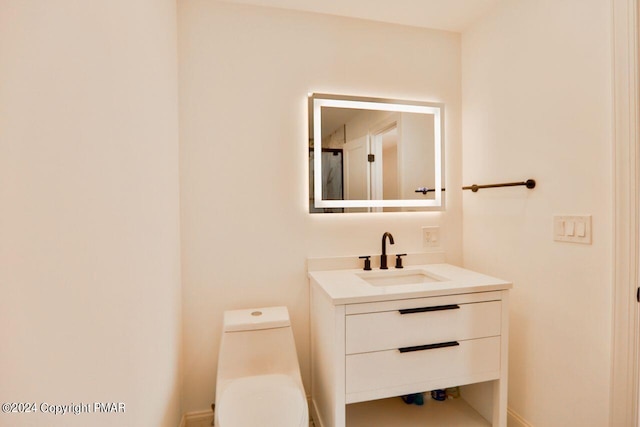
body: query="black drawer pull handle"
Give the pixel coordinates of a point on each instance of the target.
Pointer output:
(425, 309)
(429, 346)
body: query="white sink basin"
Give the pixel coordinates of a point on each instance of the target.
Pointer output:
(398, 277)
(354, 286)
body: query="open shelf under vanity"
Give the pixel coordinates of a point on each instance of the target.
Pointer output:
(393, 412)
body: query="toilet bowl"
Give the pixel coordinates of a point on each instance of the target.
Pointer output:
(258, 382)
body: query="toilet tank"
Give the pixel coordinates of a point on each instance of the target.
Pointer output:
(257, 342)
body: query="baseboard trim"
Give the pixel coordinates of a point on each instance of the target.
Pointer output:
(314, 414)
(198, 416)
(515, 420)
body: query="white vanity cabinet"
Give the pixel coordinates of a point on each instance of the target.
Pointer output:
(400, 342)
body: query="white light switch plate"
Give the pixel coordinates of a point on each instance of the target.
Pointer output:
(572, 228)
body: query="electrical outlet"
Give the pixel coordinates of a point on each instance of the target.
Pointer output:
(431, 236)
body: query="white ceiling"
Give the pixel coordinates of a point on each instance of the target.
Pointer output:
(448, 15)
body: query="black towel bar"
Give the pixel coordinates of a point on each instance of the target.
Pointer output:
(530, 183)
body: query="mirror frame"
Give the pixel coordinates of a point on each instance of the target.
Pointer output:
(318, 100)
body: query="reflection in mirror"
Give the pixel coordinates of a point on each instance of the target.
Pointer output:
(374, 155)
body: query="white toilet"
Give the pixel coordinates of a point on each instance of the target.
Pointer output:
(259, 381)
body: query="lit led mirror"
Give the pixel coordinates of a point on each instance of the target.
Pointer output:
(374, 155)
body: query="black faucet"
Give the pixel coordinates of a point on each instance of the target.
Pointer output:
(383, 257)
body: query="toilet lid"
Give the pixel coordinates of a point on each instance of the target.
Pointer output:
(263, 400)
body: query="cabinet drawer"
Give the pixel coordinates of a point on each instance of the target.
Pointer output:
(464, 362)
(429, 324)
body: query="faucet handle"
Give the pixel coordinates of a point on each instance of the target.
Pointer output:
(399, 260)
(367, 262)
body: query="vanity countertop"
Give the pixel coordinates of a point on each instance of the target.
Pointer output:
(348, 286)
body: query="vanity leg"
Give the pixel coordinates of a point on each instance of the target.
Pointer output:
(499, 403)
(327, 361)
(500, 385)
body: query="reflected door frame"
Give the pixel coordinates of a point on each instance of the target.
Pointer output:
(376, 134)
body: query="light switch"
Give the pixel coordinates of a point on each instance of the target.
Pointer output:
(572, 228)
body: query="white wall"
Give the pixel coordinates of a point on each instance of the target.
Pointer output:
(244, 76)
(537, 104)
(89, 224)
